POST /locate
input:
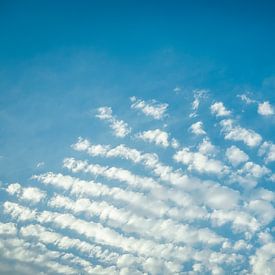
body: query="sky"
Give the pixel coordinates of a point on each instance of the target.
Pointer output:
(137, 137)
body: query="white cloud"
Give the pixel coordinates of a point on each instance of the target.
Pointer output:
(219, 110)
(237, 133)
(263, 210)
(119, 127)
(235, 155)
(246, 99)
(155, 136)
(150, 108)
(254, 170)
(31, 194)
(197, 128)
(129, 222)
(267, 150)
(165, 220)
(263, 262)
(198, 95)
(207, 148)
(199, 162)
(265, 109)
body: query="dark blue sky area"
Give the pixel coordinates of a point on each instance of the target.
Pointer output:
(239, 34)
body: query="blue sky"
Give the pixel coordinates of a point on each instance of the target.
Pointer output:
(115, 84)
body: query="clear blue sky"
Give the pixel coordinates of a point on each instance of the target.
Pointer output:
(61, 60)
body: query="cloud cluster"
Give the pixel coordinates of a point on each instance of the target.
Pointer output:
(188, 210)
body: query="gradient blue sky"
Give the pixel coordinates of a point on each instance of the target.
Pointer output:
(61, 60)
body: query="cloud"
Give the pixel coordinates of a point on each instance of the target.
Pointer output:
(31, 194)
(265, 109)
(246, 99)
(119, 127)
(207, 148)
(199, 162)
(219, 110)
(149, 108)
(236, 156)
(156, 136)
(263, 260)
(197, 128)
(142, 213)
(267, 150)
(237, 133)
(198, 95)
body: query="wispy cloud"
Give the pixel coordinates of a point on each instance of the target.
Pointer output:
(119, 127)
(149, 108)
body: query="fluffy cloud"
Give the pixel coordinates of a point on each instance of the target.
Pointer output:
(265, 109)
(199, 162)
(263, 262)
(207, 148)
(237, 133)
(197, 128)
(219, 110)
(31, 194)
(119, 127)
(145, 214)
(150, 108)
(235, 155)
(155, 136)
(267, 150)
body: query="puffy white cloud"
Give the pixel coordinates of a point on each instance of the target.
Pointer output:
(220, 197)
(235, 155)
(249, 174)
(199, 162)
(31, 194)
(149, 108)
(265, 109)
(241, 221)
(207, 148)
(104, 113)
(119, 127)
(263, 210)
(129, 222)
(254, 170)
(263, 262)
(237, 133)
(197, 128)
(155, 136)
(219, 110)
(164, 222)
(267, 150)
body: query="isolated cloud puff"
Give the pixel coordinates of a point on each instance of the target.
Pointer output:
(265, 109)
(219, 110)
(197, 128)
(149, 108)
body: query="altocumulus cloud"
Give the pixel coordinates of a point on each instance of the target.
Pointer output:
(117, 209)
